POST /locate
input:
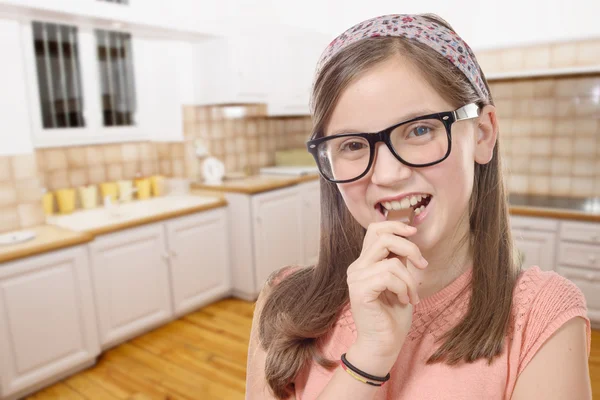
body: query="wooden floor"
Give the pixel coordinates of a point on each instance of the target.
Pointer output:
(200, 356)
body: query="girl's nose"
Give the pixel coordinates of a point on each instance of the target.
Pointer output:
(387, 170)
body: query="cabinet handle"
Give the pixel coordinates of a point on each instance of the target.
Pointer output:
(590, 276)
(173, 253)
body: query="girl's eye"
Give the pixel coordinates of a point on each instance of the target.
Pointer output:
(353, 146)
(420, 131)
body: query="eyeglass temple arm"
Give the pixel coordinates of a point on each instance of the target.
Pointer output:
(467, 112)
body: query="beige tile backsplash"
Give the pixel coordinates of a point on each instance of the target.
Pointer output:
(20, 193)
(23, 177)
(554, 147)
(245, 142)
(583, 53)
(85, 165)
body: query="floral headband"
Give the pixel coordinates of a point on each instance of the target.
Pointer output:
(441, 39)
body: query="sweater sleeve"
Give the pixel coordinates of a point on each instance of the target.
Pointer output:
(558, 301)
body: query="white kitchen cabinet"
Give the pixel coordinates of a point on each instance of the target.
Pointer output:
(269, 231)
(131, 282)
(572, 248)
(277, 223)
(231, 70)
(535, 239)
(292, 71)
(199, 259)
(47, 320)
(311, 220)
(14, 107)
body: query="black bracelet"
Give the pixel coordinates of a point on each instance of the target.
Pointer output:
(364, 374)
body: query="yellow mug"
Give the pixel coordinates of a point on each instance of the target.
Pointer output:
(48, 203)
(109, 189)
(143, 188)
(66, 200)
(157, 182)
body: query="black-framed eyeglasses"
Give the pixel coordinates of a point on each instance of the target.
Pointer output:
(419, 142)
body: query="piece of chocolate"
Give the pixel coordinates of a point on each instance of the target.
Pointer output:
(406, 215)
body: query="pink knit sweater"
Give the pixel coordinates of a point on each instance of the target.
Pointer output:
(543, 301)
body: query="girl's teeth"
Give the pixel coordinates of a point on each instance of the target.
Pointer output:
(405, 202)
(396, 205)
(419, 210)
(413, 200)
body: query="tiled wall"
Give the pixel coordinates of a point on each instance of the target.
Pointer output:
(550, 134)
(23, 177)
(242, 136)
(583, 53)
(549, 127)
(83, 165)
(20, 194)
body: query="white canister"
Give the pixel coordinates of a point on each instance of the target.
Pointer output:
(88, 196)
(125, 190)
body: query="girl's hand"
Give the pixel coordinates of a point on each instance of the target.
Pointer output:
(382, 293)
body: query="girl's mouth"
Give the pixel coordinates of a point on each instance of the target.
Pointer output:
(420, 203)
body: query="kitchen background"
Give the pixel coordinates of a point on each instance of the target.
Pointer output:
(97, 91)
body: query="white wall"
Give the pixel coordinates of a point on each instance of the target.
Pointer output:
(15, 128)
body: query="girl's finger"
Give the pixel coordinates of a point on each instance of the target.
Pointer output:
(381, 228)
(395, 266)
(396, 245)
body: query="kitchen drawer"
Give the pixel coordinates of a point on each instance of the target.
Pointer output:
(579, 255)
(588, 281)
(535, 224)
(588, 232)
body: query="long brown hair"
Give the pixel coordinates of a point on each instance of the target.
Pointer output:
(305, 306)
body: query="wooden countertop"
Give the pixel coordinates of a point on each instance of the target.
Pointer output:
(129, 215)
(257, 183)
(579, 209)
(48, 238)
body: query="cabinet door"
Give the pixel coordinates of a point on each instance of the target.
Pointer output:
(311, 220)
(199, 254)
(131, 282)
(536, 248)
(277, 232)
(47, 319)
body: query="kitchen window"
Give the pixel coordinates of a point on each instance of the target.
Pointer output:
(82, 83)
(116, 77)
(59, 78)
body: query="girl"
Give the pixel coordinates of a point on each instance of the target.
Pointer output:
(437, 308)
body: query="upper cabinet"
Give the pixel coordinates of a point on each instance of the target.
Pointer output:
(231, 70)
(292, 71)
(259, 68)
(82, 83)
(14, 110)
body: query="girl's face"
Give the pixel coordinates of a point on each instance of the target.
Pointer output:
(392, 92)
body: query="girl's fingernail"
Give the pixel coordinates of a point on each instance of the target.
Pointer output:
(424, 261)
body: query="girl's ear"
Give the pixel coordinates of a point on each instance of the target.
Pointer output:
(486, 134)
